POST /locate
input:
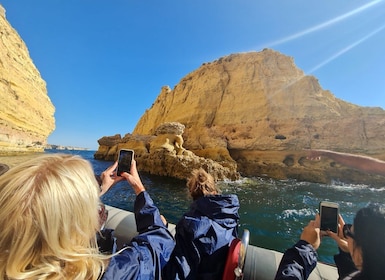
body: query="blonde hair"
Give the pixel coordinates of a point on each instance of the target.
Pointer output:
(201, 184)
(49, 219)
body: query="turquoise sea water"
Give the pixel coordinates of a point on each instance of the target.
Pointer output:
(274, 211)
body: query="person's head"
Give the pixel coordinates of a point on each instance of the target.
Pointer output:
(201, 184)
(49, 219)
(367, 244)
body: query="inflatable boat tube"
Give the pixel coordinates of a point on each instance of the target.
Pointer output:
(260, 263)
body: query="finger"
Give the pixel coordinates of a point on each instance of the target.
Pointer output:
(312, 224)
(317, 221)
(323, 233)
(133, 169)
(125, 175)
(340, 230)
(333, 235)
(109, 171)
(341, 220)
(118, 179)
(112, 167)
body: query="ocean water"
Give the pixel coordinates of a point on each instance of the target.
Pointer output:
(274, 211)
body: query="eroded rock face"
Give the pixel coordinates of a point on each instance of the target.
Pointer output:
(26, 112)
(260, 110)
(163, 154)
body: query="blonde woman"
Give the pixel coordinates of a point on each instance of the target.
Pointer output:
(204, 233)
(49, 217)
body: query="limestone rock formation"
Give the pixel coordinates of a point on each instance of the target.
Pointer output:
(260, 110)
(163, 154)
(26, 112)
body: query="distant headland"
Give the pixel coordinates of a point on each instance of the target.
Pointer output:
(60, 147)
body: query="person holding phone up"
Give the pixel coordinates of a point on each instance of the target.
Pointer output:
(361, 248)
(49, 221)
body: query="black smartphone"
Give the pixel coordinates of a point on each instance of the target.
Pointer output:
(329, 215)
(124, 161)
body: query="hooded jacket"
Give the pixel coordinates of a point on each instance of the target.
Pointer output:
(202, 238)
(300, 260)
(148, 252)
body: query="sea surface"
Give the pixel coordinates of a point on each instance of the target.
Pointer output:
(274, 211)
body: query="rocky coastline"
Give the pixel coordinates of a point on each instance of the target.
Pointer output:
(244, 114)
(256, 114)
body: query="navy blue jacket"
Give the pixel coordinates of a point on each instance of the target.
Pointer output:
(149, 251)
(299, 261)
(202, 238)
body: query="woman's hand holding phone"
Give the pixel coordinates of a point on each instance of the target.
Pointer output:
(109, 178)
(133, 179)
(311, 233)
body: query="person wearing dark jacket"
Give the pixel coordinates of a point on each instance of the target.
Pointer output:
(147, 252)
(204, 233)
(50, 218)
(361, 248)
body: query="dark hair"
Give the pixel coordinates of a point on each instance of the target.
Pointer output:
(369, 235)
(201, 184)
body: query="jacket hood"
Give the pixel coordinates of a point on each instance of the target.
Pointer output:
(221, 208)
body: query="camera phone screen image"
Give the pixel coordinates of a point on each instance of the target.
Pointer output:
(124, 162)
(329, 216)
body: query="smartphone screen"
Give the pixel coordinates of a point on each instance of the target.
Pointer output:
(329, 216)
(124, 161)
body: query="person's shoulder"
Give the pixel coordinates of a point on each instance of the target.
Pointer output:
(232, 197)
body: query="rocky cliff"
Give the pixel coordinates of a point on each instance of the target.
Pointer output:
(163, 154)
(259, 110)
(26, 112)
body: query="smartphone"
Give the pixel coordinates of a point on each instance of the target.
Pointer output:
(329, 215)
(124, 161)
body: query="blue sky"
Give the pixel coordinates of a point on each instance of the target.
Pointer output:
(105, 61)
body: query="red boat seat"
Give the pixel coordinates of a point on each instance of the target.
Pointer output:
(236, 258)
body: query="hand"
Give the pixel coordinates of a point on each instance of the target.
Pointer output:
(311, 233)
(109, 178)
(339, 238)
(133, 178)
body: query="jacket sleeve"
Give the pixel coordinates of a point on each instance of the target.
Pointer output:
(147, 214)
(297, 262)
(147, 253)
